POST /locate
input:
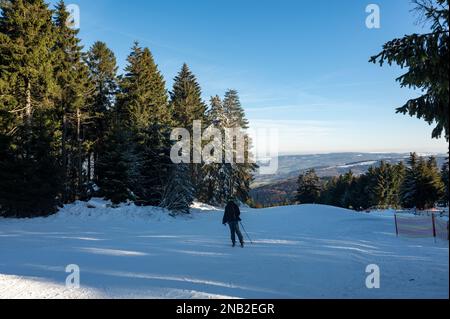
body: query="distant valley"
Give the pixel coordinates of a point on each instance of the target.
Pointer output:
(276, 189)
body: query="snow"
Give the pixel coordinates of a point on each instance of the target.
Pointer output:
(308, 251)
(368, 163)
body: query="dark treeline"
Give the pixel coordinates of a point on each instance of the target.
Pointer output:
(419, 183)
(72, 128)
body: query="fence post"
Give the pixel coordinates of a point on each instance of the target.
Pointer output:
(434, 224)
(448, 233)
(396, 225)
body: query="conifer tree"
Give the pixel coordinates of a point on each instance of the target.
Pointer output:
(409, 186)
(423, 186)
(358, 195)
(385, 185)
(444, 177)
(27, 118)
(432, 184)
(103, 74)
(339, 188)
(74, 89)
(154, 165)
(234, 112)
(309, 188)
(426, 58)
(179, 192)
(30, 182)
(239, 175)
(143, 97)
(187, 106)
(213, 190)
(398, 177)
(115, 165)
(142, 107)
(186, 99)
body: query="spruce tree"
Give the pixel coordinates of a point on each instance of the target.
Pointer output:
(409, 185)
(358, 196)
(103, 74)
(212, 186)
(239, 175)
(426, 59)
(186, 99)
(179, 192)
(309, 188)
(115, 165)
(340, 191)
(386, 180)
(187, 106)
(31, 183)
(27, 115)
(431, 184)
(423, 186)
(234, 112)
(444, 177)
(142, 107)
(399, 173)
(143, 98)
(155, 166)
(74, 89)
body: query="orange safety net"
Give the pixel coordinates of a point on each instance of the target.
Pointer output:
(441, 228)
(417, 226)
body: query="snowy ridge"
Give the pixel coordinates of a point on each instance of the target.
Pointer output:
(101, 210)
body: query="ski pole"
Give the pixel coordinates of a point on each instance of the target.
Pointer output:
(246, 233)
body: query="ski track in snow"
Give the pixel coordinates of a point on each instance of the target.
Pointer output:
(308, 251)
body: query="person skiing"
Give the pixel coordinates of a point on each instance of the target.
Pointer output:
(232, 217)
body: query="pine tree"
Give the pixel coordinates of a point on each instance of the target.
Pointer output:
(338, 190)
(444, 177)
(240, 175)
(385, 185)
(142, 107)
(116, 168)
(213, 190)
(309, 188)
(426, 59)
(344, 186)
(26, 189)
(74, 89)
(358, 196)
(431, 184)
(216, 114)
(186, 99)
(234, 112)
(103, 74)
(155, 165)
(399, 173)
(423, 186)
(409, 186)
(187, 106)
(179, 192)
(143, 97)
(26, 34)
(27, 117)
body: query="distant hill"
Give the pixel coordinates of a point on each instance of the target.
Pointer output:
(276, 189)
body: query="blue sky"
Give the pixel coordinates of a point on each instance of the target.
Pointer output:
(301, 66)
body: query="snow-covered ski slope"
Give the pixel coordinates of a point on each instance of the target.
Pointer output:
(135, 252)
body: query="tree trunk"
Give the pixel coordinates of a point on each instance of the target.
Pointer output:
(80, 162)
(64, 154)
(28, 106)
(28, 115)
(89, 169)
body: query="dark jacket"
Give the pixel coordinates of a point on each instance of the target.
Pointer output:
(232, 213)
